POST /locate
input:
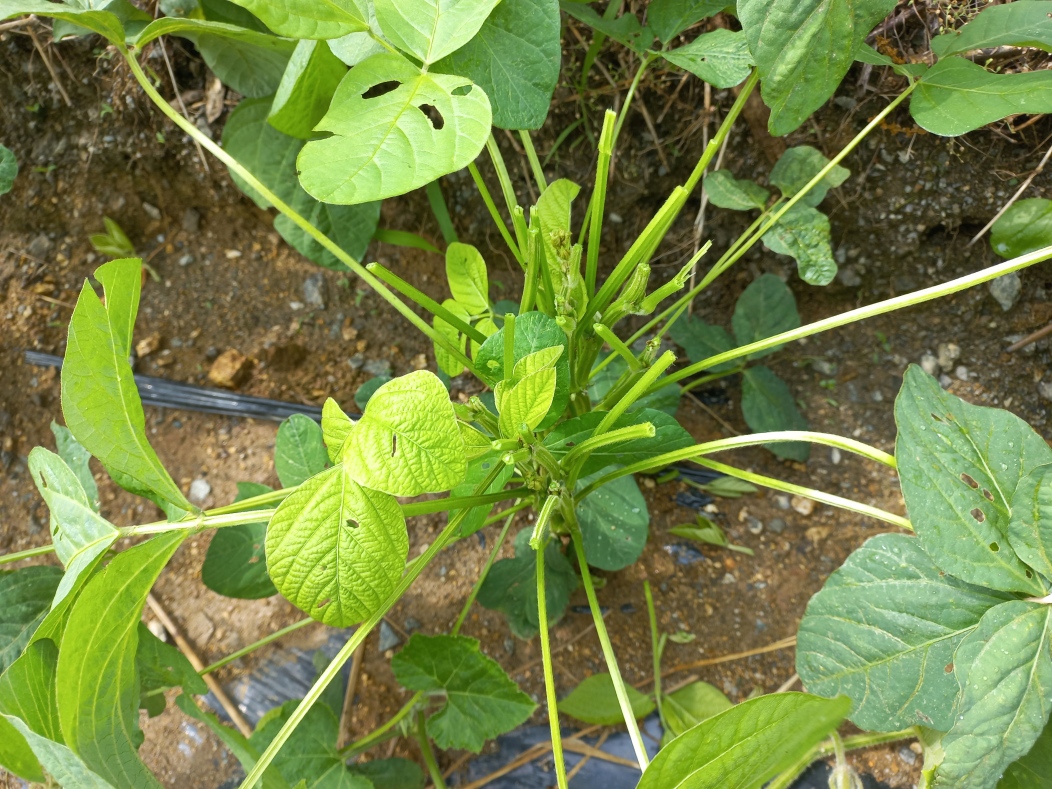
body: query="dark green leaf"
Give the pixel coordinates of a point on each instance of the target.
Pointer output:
(299, 451)
(1034, 769)
(309, 19)
(8, 169)
(726, 191)
(27, 689)
(702, 340)
(226, 11)
(768, 405)
(511, 586)
(236, 562)
(959, 465)
(482, 702)
(624, 29)
(478, 470)
(720, 58)
(104, 23)
(366, 390)
(803, 48)
(1024, 23)
(60, 762)
(766, 308)
(689, 706)
(161, 666)
(883, 631)
(76, 457)
(669, 18)
(746, 745)
(391, 773)
(306, 88)
(803, 233)
(25, 598)
(1025, 227)
(595, 701)
(797, 166)
(514, 58)
(614, 523)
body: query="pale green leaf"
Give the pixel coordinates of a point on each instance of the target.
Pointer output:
(1025, 227)
(104, 23)
(299, 450)
(702, 340)
(883, 630)
(803, 48)
(726, 191)
(614, 523)
(595, 701)
(803, 233)
(407, 441)
(306, 88)
(8, 169)
(310, 19)
(335, 427)
(476, 443)
(515, 58)
(76, 457)
(744, 746)
(236, 562)
(1005, 673)
(482, 702)
(959, 465)
(336, 550)
(98, 692)
(60, 762)
(1024, 23)
(467, 277)
(478, 470)
(766, 307)
(16, 756)
(431, 29)
(669, 18)
(25, 598)
(525, 402)
(720, 58)
(488, 329)
(100, 401)
(388, 144)
(446, 362)
(768, 405)
(689, 706)
(798, 165)
(1034, 769)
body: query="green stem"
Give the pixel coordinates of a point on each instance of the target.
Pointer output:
(535, 163)
(660, 365)
(619, 348)
(427, 303)
(708, 379)
(428, 754)
(509, 347)
(485, 572)
(256, 645)
(43, 550)
(644, 63)
(441, 212)
(381, 733)
(255, 502)
(202, 521)
(506, 186)
(598, 202)
(491, 206)
(820, 751)
(725, 129)
(655, 647)
(534, 261)
(460, 502)
(549, 673)
(594, 442)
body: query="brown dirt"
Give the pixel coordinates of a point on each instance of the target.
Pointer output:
(902, 226)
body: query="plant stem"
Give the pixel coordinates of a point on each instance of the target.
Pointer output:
(426, 302)
(428, 754)
(381, 733)
(441, 212)
(506, 186)
(655, 647)
(256, 645)
(18, 556)
(604, 641)
(644, 63)
(482, 575)
(597, 204)
(535, 163)
(723, 131)
(491, 206)
(663, 363)
(619, 348)
(592, 443)
(273, 497)
(787, 778)
(549, 673)
(460, 502)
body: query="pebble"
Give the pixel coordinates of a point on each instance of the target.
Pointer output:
(930, 364)
(961, 372)
(754, 525)
(199, 490)
(314, 291)
(411, 624)
(1006, 290)
(823, 367)
(158, 630)
(39, 247)
(835, 456)
(1045, 389)
(729, 578)
(509, 645)
(777, 525)
(848, 277)
(908, 756)
(186, 260)
(151, 210)
(295, 305)
(949, 352)
(148, 345)
(377, 367)
(802, 505)
(876, 396)
(389, 639)
(945, 381)
(230, 369)
(191, 221)
(782, 501)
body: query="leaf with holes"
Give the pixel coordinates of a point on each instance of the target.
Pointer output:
(511, 586)
(428, 29)
(797, 166)
(299, 450)
(447, 362)
(8, 169)
(747, 744)
(25, 598)
(236, 562)
(407, 441)
(883, 631)
(768, 405)
(77, 458)
(271, 157)
(336, 550)
(310, 19)
(1018, 24)
(766, 308)
(720, 58)
(514, 58)
(1005, 673)
(669, 18)
(595, 701)
(482, 702)
(803, 48)
(803, 233)
(467, 277)
(614, 522)
(306, 88)
(335, 427)
(97, 687)
(689, 706)
(959, 466)
(726, 191)
(393, 128)
(1025, 227)
(478, 470)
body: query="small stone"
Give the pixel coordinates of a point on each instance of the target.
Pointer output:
(148, 345)
(419, 362)
(191, 221)
(314, 291)
(777, 525)
(823, 367)
(876, 396)
(729, 578)
(945, 381)
(186, 260)
(760, 625)
(961, 372)
(949, 352)
(295, 305)
(817, 533)
(232, 254)
(1006, 290)
(849, 277)
(152, 211)
(782, 501)
(157, 629)
(835, 456)
(39, 247)
(388, 637)
(199, 490)
(199, 628)
(1045, 389)
(930, 364)
(908, 756)
(509, 645)
(230, 370)
(356, 361)
(377, 367)
(802, 505)
(411, 624)
(754, 525)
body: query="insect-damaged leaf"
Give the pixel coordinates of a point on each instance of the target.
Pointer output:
(803, 233)
(797, 166)
(720, 58)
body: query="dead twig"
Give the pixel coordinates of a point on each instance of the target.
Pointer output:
(50, 68)
(785, 643)
(1030, 338)
(788, 683)
(526, 757)
(182, 106)
(1022, 188)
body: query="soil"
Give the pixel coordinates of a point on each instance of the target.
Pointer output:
(224, 280)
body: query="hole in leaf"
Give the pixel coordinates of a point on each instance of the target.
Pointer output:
(254, 560)
(325, 602)
(381, 89)
(979, 515)
(1029, 573)
(949, 668)
(569, 444)
(463, 90)
(394, 444)
(433, 115)
(988, 494)
(971, 483)
(995, 547)
(935, 417)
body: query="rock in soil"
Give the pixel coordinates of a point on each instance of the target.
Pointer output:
(230, 370)
(1006, 290)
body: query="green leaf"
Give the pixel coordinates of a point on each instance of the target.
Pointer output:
(803, 48)
(689, 706)
(768, 405)
(428, 29)
(614, 523)
(98, 692)
(515, 58)
(720, 58)
(624, 29)
(668, 436)
(368, 389)
(306, 88)
(104, 23)
(427, 125)
(60, 762)
(226, 11)
(669, 18)
(797, 166)
(27, 689)
(271, 157)
(1023, 23)
(407, 441)
(526, 401)
(236, 562)
(883, 631)
(161, 666)
(335, 427)
(299, 451)
(708, 532)
(468, 281)
(959, 465)
(25, 598)
(336, 550)
(1034, 769)
(744, 746)
(446, 362)
(726, 191)
(595, 701)
(511, 586)
(956, 96)
(766, 308)
(390, 773)
(803, 233)
(131, 18)
(310, 19)
(478, 470)
(482, 702)
(76, 457)
(16, 756)
(100, 401)
(1025, 227)
(1006, 679)
(702, 340)
(9, 169)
